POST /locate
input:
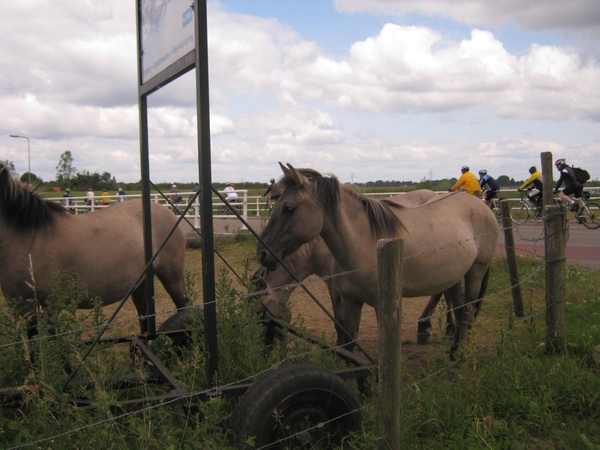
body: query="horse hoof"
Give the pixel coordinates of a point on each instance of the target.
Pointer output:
(422, 338)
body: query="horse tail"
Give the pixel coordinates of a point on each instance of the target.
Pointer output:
(482, 291)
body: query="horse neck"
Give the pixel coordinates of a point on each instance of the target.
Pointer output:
(348, 236)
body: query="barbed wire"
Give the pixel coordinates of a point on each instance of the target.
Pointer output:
(289, 286)
(215, 391)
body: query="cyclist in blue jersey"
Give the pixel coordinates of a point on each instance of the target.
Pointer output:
(489, 186)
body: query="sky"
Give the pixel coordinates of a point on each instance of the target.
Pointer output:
(364, 89)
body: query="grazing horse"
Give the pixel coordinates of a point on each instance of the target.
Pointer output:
(446, 240)
(39, 238)
(315, 258)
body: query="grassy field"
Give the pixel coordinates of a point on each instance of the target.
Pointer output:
(505, 392)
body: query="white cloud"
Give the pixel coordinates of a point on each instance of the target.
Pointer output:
(406, 100)
(531, 15)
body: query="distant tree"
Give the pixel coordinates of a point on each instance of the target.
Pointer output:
(65, 170)
(84, 179)
(34, 178)
(425, 184)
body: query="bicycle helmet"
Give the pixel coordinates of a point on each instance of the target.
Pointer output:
(483, 172)
(561, 162)
(464, 169)
(532, 170)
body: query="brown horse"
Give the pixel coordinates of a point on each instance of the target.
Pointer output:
(39, 238)
(315, 258)
(445, 240)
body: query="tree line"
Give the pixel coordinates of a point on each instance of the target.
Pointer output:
(67, 176)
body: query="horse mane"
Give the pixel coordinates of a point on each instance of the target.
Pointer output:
(23, 210)
(328, 191)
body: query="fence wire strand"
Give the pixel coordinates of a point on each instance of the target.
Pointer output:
(291, 358)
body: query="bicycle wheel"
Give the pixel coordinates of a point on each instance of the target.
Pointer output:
(590, 216)
(519, 212)
(497, 210)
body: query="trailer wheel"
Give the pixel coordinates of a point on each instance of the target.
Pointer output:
(181, 321)
(296, 406)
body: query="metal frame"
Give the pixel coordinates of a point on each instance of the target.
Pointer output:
(197, 59)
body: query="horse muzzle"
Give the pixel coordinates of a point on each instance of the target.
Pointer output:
(266, 259)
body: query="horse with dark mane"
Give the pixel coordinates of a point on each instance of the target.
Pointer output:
(39, 238)
(315, 258)
(446, 240)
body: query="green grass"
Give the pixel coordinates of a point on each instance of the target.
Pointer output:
(505, 394)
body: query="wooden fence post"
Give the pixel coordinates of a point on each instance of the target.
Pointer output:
(555, 243)
(511, 258)
(389, 317)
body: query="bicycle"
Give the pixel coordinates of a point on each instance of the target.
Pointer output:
(588, 214)
(524, 209)
(495, 207)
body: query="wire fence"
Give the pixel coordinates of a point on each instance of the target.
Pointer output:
(537, 270)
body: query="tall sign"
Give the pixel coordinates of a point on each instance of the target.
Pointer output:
(166, 34)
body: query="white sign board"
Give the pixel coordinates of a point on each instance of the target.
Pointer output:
(167, 30)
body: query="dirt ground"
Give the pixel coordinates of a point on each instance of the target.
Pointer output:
(314, 319)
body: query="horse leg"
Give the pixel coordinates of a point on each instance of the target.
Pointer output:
(482, 291)
(173, 282)
(470, 304)
(450, 326)
(139, 300)
(425, 319)
(347, 315)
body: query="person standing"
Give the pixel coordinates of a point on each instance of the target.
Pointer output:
(121, 195)
(69, 203)
(468, 181)
(105, 198)
(89, 196)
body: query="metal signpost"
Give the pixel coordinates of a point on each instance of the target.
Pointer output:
(172, 40)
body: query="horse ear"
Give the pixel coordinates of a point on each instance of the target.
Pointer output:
(298, 177)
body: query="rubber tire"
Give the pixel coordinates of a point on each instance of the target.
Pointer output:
(594, 223)
(294, 398)
(181, 320)
(523, 211)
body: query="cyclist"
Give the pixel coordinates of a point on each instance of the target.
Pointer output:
(230, 194)
(272, 193)
(572, 186)
(489, 186)
(468, 181)
(534, 181)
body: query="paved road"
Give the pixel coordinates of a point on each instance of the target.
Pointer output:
(583, 245)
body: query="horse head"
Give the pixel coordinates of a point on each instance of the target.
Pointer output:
(299, 214)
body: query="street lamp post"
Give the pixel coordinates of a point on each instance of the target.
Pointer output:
(28, 157)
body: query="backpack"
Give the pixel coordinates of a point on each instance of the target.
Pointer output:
(581, 175)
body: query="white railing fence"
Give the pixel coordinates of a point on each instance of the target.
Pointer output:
(247, 205)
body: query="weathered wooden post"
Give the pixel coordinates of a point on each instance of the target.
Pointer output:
(555, 243)
(546, 159)
(511, 258)
(389, 317)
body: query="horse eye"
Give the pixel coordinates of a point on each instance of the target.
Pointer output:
(289, 209)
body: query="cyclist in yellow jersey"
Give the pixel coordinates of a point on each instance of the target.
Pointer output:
(468, 181)
(534, 181)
